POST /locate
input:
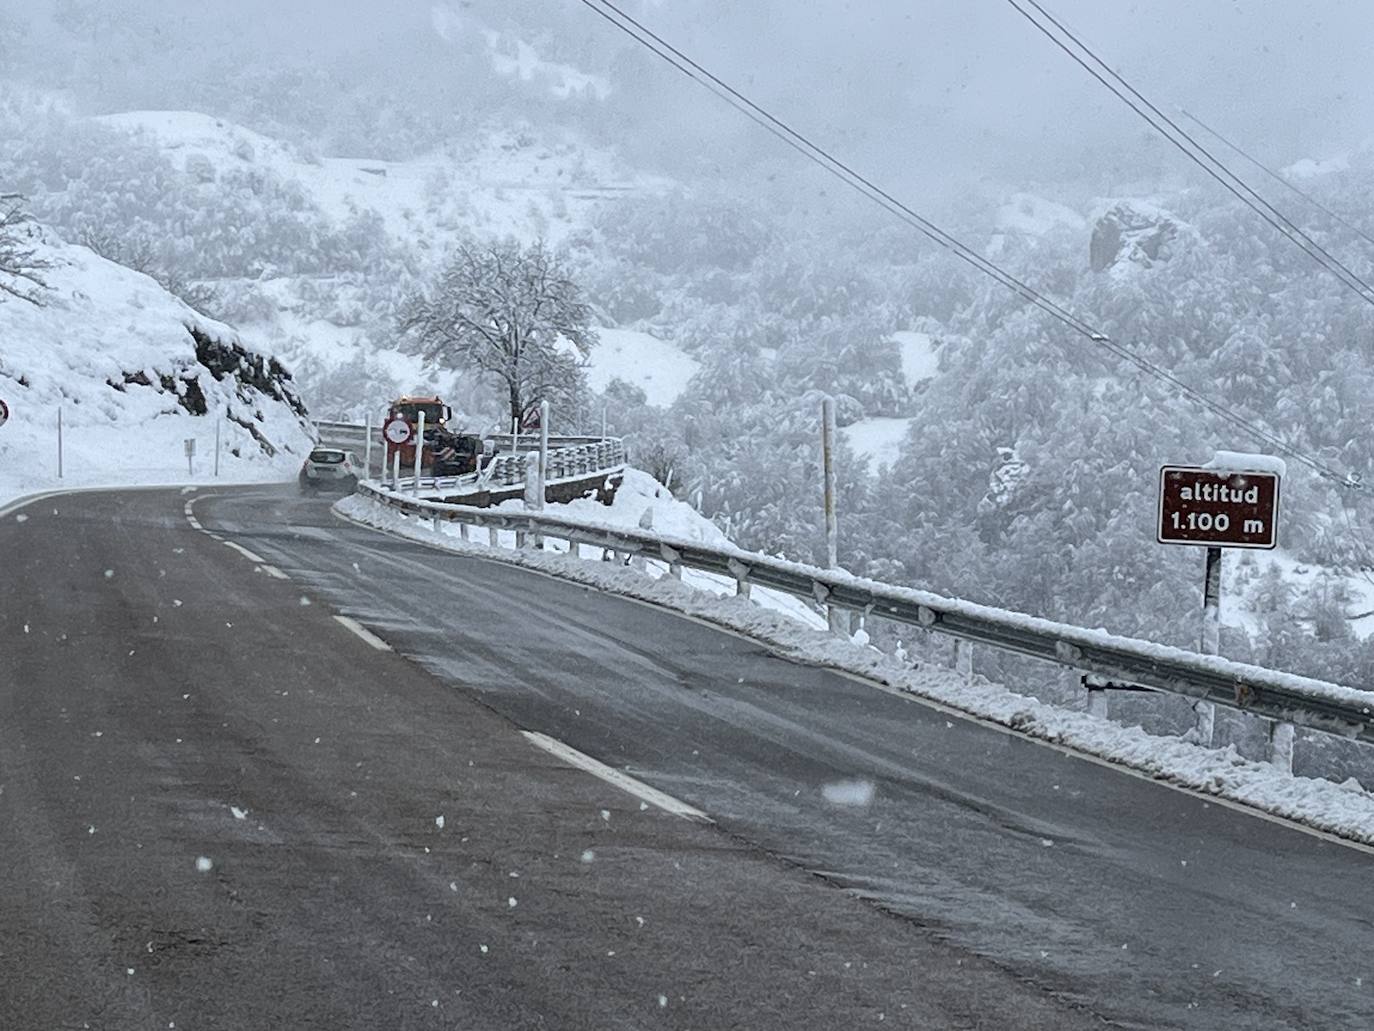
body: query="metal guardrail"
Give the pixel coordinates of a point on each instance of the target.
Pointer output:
(1282, 697)
(570, 456)
(509, 470)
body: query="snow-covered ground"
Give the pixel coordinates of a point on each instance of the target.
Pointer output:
(1344, 809)
(879, 439)
(659, 368)
(113, 353)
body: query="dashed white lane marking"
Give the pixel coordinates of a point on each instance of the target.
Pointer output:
(364, 633)
(195, 523)
(614, 777)
(273, 571)
(251, 556)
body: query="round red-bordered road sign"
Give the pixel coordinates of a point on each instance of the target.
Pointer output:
(397, 431)
(4, 413)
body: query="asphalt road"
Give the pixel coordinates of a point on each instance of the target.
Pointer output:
(221, 808)
(874, 857)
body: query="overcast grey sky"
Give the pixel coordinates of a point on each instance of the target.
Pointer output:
(939, 91)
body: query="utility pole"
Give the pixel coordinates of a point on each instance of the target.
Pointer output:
(837, 617)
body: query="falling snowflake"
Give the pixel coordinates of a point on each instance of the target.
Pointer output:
(204, 865)
(857, 793)
(588, 856)
(438, 820)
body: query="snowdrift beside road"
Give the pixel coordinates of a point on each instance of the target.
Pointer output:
(135, 373)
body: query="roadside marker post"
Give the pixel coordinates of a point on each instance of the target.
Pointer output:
(367, 443)
(59, 442)
(218, 422)
(419, 452)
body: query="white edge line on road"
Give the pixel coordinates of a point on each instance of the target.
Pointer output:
(249, 555)
(614, 777)
(273, 571)
(364, 633)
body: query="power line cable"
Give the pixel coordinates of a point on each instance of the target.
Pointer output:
(1095, 66)
(628, 25)
(1279, 178)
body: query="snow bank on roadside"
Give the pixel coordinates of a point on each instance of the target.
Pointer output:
(126, 364)
(1345, 809)
(642, 503)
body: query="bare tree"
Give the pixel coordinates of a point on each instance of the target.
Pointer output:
(20, 267)
(500, 309)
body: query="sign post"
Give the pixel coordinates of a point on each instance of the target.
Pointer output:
(1232, 502)
(190, 445)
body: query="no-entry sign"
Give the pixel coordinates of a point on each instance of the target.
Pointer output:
(1218, 508)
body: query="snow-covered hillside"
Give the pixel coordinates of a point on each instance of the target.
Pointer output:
(337, 329)
(135, 373)
(659, 368)
(506, 182)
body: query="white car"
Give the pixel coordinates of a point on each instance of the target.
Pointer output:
(329, 468)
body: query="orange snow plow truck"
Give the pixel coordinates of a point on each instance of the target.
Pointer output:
(445, 453)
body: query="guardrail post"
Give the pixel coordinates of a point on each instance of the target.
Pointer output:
(741, 574)
(1281, 737)
(463, 530)
(963, 659)
(1097, 698)
(574, 549)
(674, 560)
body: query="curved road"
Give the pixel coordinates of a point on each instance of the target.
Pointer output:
(164, 698)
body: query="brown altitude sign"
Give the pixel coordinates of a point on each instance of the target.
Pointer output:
(1218, 508)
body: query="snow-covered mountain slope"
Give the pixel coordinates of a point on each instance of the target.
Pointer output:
(134, 373)
(504, 182)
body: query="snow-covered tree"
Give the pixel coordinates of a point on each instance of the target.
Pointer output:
(509, 312)
(20, 268)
